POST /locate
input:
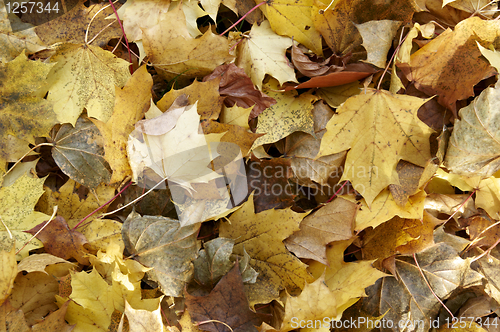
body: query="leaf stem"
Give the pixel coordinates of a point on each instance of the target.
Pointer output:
(337, 192)
(242, 18)
(392, 58)
(100, 207)
(25, 155)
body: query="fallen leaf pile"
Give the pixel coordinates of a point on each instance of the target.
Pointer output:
(253, 165)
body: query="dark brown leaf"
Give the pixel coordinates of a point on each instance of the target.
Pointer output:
(238, 89)
(226, 303)
(59, 240)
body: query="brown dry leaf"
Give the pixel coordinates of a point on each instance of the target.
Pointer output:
(351, 73)
(409, 179)
(131, 103)
(59, 240)
(310, 68)
(455, 58)
(232, 134)
(303, 148)
(238, 89)
(338, 26)
(378, 135)
(268, 180)
(54, 321)
(332, 222)
(226, 303)
(11, 317)
(176, 54)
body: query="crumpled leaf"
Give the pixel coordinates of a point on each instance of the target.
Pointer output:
(238, 89)
(263, 52)
(38, 262)
(311, 68)
(79, 153)
(226, 303)
(332, 222)
(474, 147)
(150, 239)
(143, 320)
(379, 134)
(73, 86)
(456, 58)
(59, 240)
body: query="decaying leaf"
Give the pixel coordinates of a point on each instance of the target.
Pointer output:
(79, 152)
(150, 238)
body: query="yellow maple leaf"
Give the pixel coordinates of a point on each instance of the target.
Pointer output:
(130, 104)
(176, 54)
(16, 210)
(379, 128)
(263, 52)
(293, 18)
(23, 113)
(291, 113)
(261, 235)
(316, 302)
(85, 77)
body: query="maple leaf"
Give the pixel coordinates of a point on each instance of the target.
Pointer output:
(332, 222)
(130, 105)
(362, 125)
(277, 268)
(294, 19)
(61, 241)
(458, 59)
(79, 153)
(175, 53)
(23, 114)
(85, 77)
(16, 210)
(291, 113)
(13, 42)
(263, 52)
